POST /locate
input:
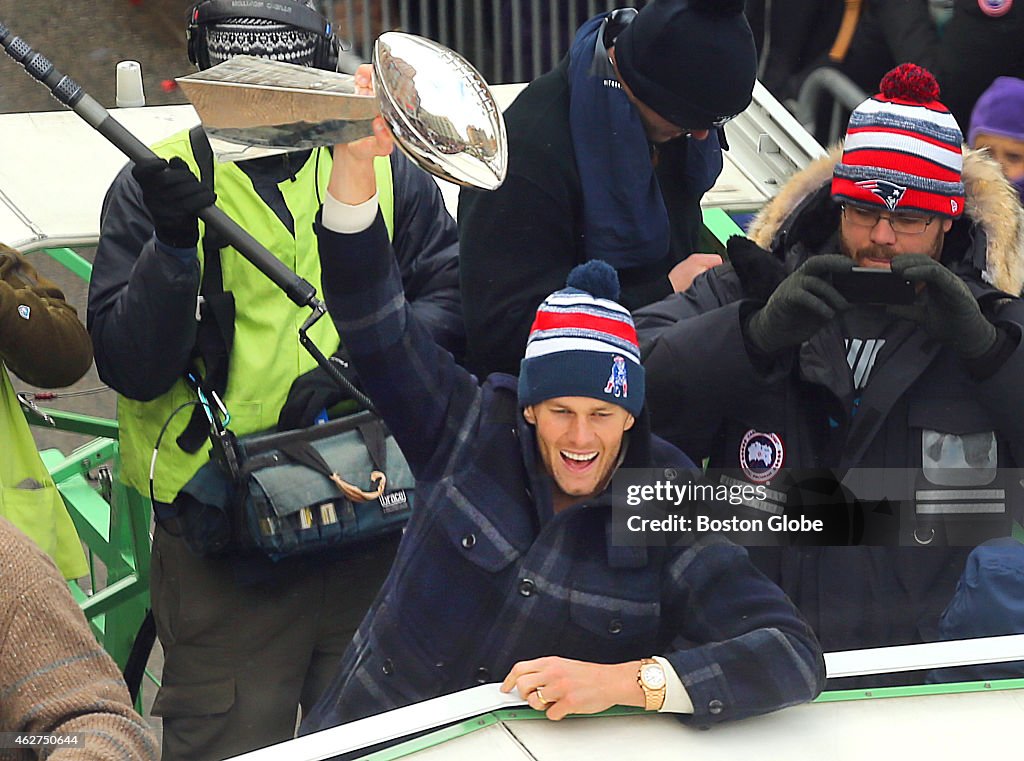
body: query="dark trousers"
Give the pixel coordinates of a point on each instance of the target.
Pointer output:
(239, 660)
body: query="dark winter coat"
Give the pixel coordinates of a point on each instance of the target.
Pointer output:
(488, 575)
(706, 395)
(519, 242)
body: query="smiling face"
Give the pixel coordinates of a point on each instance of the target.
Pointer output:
(876, 245)
(579, 439)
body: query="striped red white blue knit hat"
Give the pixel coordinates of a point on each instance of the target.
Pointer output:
(583, 343)
(903, 149)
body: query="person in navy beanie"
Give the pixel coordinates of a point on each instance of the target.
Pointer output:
(508, 571)
(610, 154)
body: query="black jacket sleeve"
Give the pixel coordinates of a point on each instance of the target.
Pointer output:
(42, 340)
(1002, 390)
(518, 246)
(697, 363)
(139, 292)
(709, 290)
(426, 244)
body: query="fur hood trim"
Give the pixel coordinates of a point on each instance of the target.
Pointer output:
(991, 203)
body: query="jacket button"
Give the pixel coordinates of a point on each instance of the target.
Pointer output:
(715, 707)
(483, 676)
(526, 587)
(614, 626)
(387, 667)
(469, 541)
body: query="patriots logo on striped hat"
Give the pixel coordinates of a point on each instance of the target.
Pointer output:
(577, 333)
(618, 383)
(903, 147)
(889, 192)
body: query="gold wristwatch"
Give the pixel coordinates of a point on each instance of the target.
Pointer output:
(651, 679)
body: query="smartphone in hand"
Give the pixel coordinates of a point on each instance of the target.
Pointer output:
(867, 285)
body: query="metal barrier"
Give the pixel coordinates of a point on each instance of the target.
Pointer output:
(506, 40)
(112, 521)
(845, 95)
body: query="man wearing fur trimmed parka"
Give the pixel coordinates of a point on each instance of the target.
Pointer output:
(764, 365)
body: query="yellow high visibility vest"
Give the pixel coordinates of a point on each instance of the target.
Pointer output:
(266, 356)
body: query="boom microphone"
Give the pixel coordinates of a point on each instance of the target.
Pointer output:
(71, 94)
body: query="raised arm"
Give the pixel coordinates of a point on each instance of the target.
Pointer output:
(142, 296)
(426, 245)
(420, 391)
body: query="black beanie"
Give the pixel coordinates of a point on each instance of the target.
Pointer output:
(692, 61)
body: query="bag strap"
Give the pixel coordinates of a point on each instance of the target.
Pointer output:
(375, 437)
(303, 453)
(216, 331)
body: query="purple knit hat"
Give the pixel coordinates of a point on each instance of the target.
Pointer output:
(999, 110)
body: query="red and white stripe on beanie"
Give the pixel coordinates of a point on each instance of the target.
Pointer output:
(583, 343)
(571, 320)
(903, 149)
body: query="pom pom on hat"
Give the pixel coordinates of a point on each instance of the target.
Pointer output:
(909, 81)
(596, 277)
(583, 343)
(903, 149)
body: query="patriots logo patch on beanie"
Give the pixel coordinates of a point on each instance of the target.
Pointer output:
(617, 384)
(889, 192)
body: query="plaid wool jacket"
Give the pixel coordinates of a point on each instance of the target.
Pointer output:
(488, 575)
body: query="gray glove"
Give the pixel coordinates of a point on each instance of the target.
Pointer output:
(945, 307)
(802, 304)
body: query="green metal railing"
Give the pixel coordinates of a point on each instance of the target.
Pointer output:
(112, 521)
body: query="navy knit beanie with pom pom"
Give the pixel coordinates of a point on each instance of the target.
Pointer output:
(582, 343)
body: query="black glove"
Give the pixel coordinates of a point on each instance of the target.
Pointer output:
(945, 307)
(174, 197)
(800, 306)
(313, 392)
(760, 272)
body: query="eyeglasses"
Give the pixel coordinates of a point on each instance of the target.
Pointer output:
(901, 224)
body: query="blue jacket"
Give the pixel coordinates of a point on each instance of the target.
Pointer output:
(487, 575)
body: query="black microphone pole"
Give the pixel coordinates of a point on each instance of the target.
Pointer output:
(70, 93)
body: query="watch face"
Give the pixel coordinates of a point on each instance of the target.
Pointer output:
(653, 676)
